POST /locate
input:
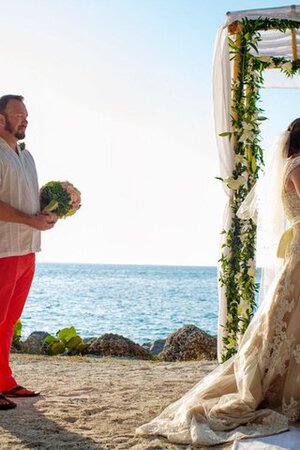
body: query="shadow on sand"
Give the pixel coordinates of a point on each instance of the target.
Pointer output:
(33, 430)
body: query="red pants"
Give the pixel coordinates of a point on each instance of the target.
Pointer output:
(16, 274)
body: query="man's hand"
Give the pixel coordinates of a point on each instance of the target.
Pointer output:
(43, 221)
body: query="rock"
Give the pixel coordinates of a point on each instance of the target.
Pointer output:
(154, 347)
(189, 342)
(35, 342)
(89, 340)
(16, 347)
(110, 344)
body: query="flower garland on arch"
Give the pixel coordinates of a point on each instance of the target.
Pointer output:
(237, 262)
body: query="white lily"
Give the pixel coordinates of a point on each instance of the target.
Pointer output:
(251, 269)
(242, 308)
(247, 127)
(240, 159)
(265, 58)
(287, 66)
(235, 184)
(247, 136)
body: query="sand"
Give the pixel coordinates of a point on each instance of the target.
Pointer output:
(93, 403)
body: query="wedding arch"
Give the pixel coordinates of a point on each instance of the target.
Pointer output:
(254, 49)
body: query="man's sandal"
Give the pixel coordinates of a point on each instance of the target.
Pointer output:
(5, 403)
(20, 391)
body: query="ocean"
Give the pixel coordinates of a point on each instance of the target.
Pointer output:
(140, 302)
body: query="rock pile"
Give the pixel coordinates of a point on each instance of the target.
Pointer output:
(34, 343)
(110, 344)
(155, 347)
(189, 342)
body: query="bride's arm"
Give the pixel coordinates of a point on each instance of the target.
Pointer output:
(294, 177)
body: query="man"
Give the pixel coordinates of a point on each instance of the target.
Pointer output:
(21, 223)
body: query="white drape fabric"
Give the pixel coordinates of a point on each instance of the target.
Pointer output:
(222, 114)
(274, 43)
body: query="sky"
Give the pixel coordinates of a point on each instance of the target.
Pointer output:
(119, 100)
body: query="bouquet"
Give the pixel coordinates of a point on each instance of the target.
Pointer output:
(60, 197)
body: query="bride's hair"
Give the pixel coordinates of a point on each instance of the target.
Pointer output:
(293, 143)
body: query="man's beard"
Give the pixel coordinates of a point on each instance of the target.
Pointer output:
(8, 127)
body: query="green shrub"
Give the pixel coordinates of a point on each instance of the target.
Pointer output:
(65, 341)
(17, 335)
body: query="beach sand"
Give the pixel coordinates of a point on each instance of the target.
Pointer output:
(93, 403)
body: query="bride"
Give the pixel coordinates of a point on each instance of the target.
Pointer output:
(257, 391)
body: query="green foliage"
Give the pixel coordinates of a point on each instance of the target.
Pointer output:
(65, 341)
(262, 24)
(237, 266)
(55, 198)
(17, 334)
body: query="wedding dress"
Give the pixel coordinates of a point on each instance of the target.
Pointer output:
(257, 391)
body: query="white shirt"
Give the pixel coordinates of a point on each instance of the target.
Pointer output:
(19, 188)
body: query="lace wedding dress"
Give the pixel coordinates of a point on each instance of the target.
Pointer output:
(257, 391)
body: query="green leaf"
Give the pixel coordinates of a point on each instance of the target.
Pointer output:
(56, 348)
(253, 164)
(76, 346)
(66, 334)
(225, 133)
(17, 334)
(18, 329)
(254, 46)
(49, 339)
(74, 342)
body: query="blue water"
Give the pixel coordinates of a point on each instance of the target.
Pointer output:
(139, 302)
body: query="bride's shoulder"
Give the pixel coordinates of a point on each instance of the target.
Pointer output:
(292, 163)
